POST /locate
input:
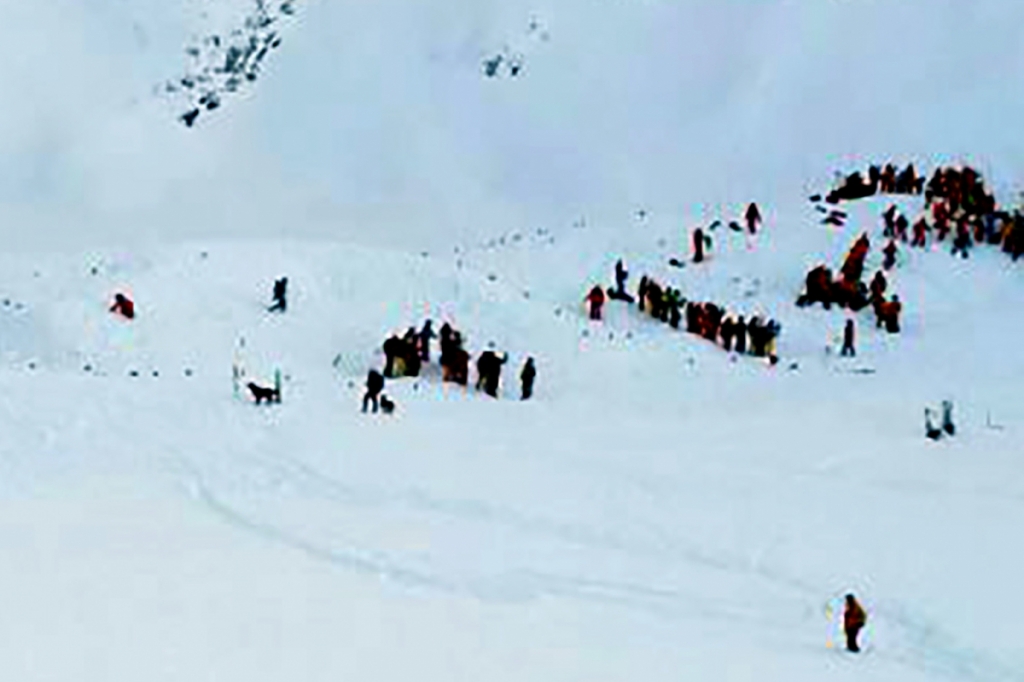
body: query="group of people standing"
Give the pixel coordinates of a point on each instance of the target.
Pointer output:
(880, 180)
(849, 290)
(406, 355)
(708, 320)
(958, 202)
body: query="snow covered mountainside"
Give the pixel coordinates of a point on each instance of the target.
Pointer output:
(661, 509)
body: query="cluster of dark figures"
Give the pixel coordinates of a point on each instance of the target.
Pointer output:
(960, 203)
(708, 320)
(887, 180)
(849, 290)
(406, 355)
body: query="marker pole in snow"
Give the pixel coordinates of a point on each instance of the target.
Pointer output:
(238, 369)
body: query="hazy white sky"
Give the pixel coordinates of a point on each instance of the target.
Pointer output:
(373, 121)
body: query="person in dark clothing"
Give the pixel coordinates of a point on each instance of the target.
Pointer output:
(920, 230)
(947, 417)
(446, 348)
(713, 316)
(901, 225)
(596, 300)
(641, 292)
(753, 217)
(931, 431)
(890, 255)
(675, 302)
(280, 303)
(854, 620)
(728, 329)
(393, 348)
(423, 340)
(654, 298)
(374, 385)
(759, 335)
(526, 377)
(962, 241)
(848, 334)
(621, 275)
(698, 245)
(740, 332)
(890, 221)
(488, 368)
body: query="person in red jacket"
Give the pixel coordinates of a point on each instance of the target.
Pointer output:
(854, 619)
(596, 300)
(123, 306)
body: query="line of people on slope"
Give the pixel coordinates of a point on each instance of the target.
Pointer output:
(406, 355)
(708, 320)
(885, 180)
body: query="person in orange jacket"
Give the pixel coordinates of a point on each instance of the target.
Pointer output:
(596, 300)
(123, 306)
(854, 619)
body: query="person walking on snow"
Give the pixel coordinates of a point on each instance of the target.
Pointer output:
(527, 376)
(698, 245)
(753, 217)
(854, 619)
(596, 300)
(848, 334)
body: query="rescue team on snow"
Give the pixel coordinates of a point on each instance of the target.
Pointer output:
(956, 201)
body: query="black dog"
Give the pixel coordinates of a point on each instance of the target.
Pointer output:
(261, 393)
(387, 406)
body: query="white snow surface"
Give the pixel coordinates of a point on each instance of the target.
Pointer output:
(660, 510)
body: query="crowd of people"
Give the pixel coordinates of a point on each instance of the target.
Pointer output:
(880, 180)
(405, 356)
(850, 291)
(957, 203)
(707, 320)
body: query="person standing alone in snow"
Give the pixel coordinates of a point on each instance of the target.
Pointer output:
(280, 303)
(698, 245)
(854, 619)
(527, 376)
(753, 217)
(848, 349)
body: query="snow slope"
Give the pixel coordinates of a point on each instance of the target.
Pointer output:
(374, 122)
(659, 511)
